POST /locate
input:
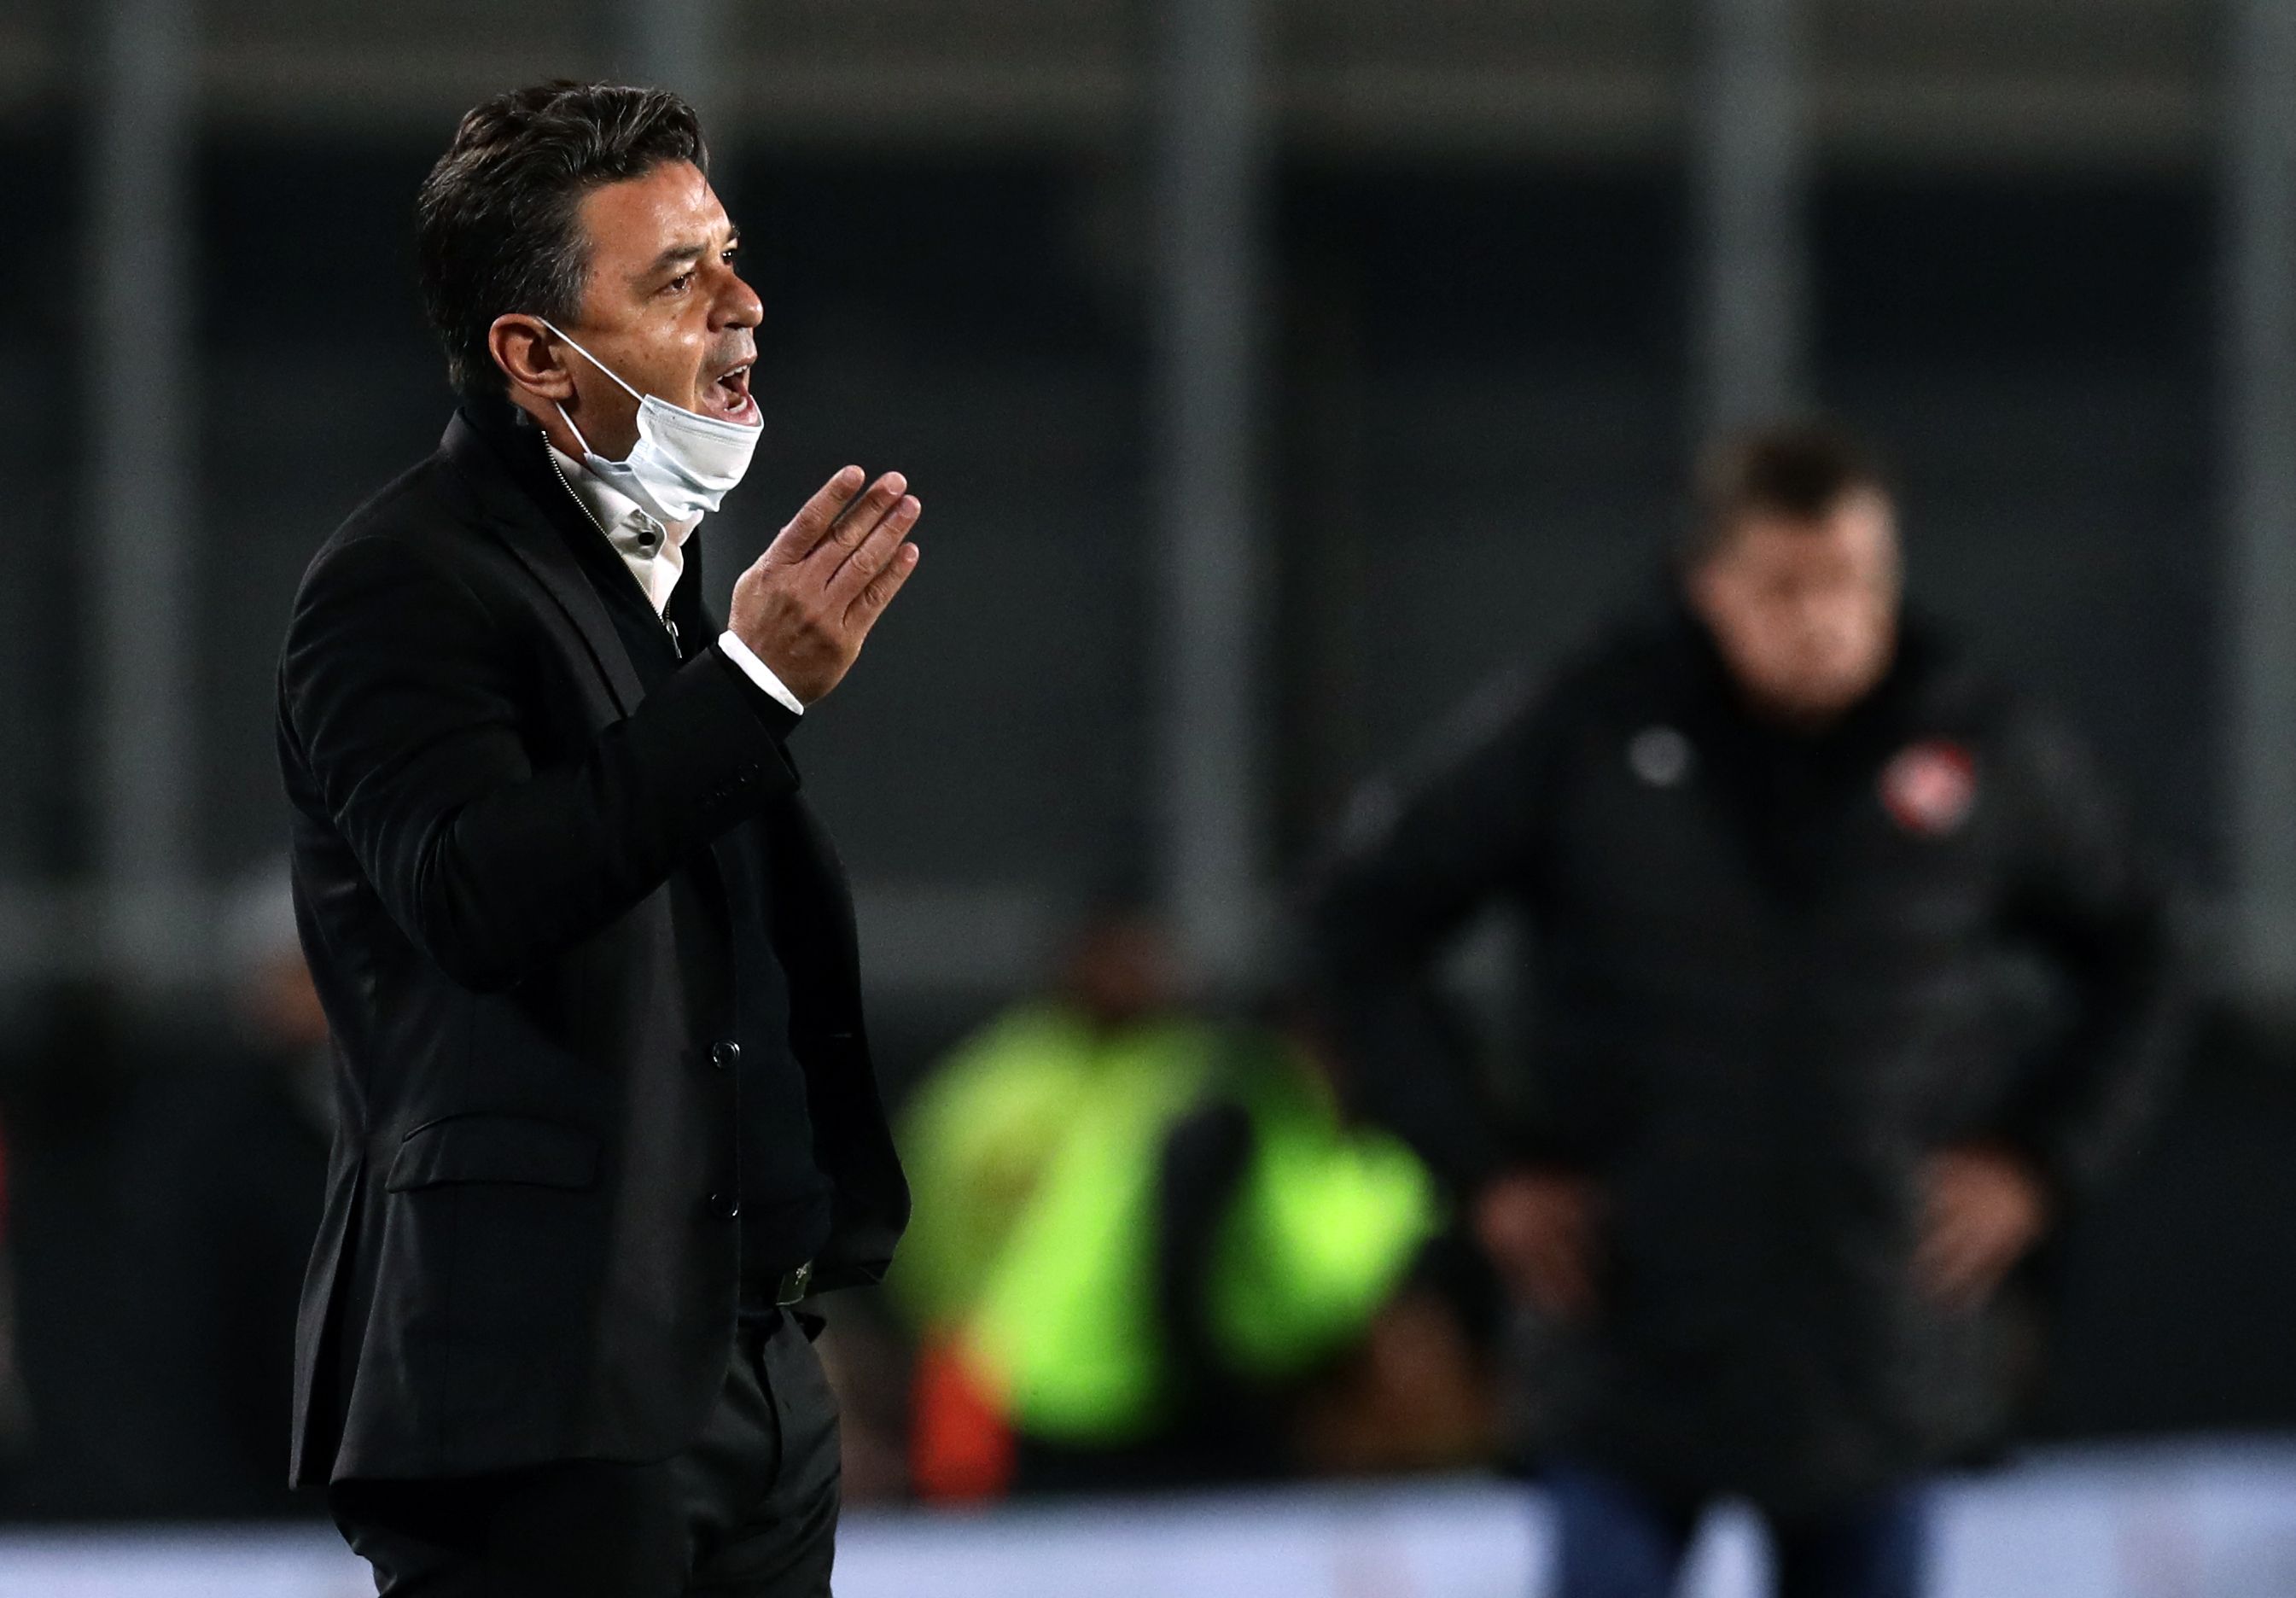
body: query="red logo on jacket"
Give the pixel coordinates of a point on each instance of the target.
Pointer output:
(1930, 787)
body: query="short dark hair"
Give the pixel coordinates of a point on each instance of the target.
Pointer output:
(496, 226)
(1797, 469)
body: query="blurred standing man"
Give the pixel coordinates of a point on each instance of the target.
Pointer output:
(1787, 1127)
(607, 1112)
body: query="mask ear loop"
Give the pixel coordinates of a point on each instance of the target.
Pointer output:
(587, 452)
(601, 365)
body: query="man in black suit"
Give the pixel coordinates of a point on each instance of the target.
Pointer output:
(607, 1112)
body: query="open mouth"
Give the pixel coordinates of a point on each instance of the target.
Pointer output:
(728, 396)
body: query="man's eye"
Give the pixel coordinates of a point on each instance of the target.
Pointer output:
(680, 283)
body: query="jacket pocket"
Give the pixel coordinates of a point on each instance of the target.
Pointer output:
(494, 1148)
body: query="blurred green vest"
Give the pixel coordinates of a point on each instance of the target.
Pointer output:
(1323, 1226)
(980, 1134)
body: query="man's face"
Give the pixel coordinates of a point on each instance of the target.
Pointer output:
(1805, 611)
(663, 306)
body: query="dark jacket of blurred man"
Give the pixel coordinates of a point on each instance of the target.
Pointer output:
(607, 1112)
(1794, 871)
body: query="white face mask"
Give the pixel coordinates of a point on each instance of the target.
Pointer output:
(683, 463)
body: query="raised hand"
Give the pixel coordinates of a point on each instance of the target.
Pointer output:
(806, 605)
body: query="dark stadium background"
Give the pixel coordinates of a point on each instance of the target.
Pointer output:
(1479, 263)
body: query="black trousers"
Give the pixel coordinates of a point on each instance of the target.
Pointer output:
(750, 1511)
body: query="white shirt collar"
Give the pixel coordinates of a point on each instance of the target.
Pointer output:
(654, 553)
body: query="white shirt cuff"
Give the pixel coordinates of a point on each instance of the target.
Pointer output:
(758, 671)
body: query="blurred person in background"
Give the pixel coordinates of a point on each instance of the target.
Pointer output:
(1158, 1259)
(225, 1170)
(1793, 866)
(606, 1109)
(979, 1132)
(975, 1138)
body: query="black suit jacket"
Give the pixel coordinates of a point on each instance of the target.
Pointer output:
(501, 845)
(1773, 973)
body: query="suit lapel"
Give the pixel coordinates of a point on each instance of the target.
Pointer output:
(516, 513)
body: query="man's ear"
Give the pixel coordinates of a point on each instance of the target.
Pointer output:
(529, 356)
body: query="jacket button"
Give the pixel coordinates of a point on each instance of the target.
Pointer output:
(725, 1054)
(724, 1206)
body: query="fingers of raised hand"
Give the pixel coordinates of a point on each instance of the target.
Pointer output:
(814, 519)
(862, 517)
(876, 552)
(882, 588)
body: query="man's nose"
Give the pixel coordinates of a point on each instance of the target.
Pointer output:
(738, 305)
